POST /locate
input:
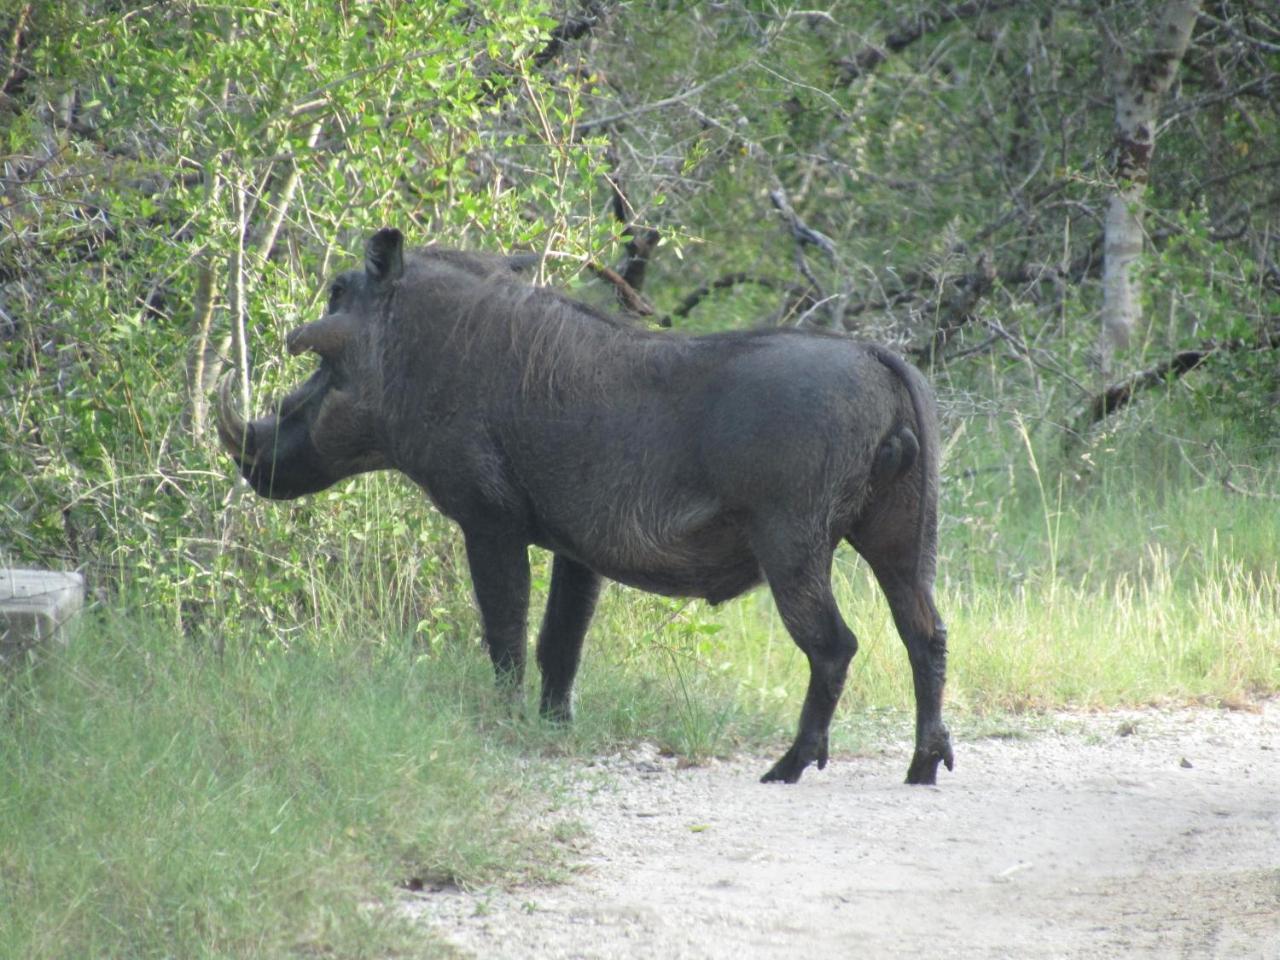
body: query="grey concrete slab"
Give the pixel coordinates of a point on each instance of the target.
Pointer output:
(35, 607)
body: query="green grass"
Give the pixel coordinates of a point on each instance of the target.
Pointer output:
(159, 801)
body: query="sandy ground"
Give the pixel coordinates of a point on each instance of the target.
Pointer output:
(1144, 834)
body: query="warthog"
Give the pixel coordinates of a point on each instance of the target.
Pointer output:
(688, 466)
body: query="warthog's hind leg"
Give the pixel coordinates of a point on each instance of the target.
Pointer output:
(899, 542)
(925, 637)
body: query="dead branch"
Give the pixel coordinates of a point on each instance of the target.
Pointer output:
(638, 251)
(237, 304)
(688, 94)
(1039, 359)
(1120, 394)
(628, 296)
(283, 198)
(13, 73)
(204, 364)
(641, 243)
(804, 235)
(908, 32)
(958, 303)
(685, 307)
(801, 232)
(1231, 487)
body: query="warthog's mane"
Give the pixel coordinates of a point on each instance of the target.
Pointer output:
(489, 315)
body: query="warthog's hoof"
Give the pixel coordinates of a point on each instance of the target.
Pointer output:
(559, 712)
(793, 762)
(924, 764)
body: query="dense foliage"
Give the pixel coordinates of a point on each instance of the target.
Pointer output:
(179, 177)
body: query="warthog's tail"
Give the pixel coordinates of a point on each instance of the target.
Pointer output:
(895, 456)
(903, 448)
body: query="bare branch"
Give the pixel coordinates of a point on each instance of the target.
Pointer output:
(284, 197)
(1037, 358)
(729, 280)
(203, 363)
(13, 70)
(238, 305)
(909, 31)
(1231, 487)
(665, 102)
(1120, 394)
(804, 234)
(627, 294)
(641, 241)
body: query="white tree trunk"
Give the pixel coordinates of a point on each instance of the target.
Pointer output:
(1141, 79)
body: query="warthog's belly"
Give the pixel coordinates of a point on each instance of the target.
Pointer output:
(713, 585)
(714, 562)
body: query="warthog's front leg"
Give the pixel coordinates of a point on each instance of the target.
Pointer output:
(500, 579)
(570, 604)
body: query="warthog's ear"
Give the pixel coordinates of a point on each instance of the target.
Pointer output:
(384, 257)
(328, 337)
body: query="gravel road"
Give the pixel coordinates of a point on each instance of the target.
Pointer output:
(1122, 834)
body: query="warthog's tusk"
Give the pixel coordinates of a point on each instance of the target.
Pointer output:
(234, 432)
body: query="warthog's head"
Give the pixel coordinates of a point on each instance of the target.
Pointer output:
(327, 429)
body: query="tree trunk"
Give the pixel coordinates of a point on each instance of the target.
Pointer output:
(1140, 83)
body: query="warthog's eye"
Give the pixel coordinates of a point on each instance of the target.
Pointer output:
(336, 290)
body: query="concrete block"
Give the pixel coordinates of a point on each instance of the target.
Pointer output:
(35, 606)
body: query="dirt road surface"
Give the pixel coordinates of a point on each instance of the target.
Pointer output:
(1129, 835)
